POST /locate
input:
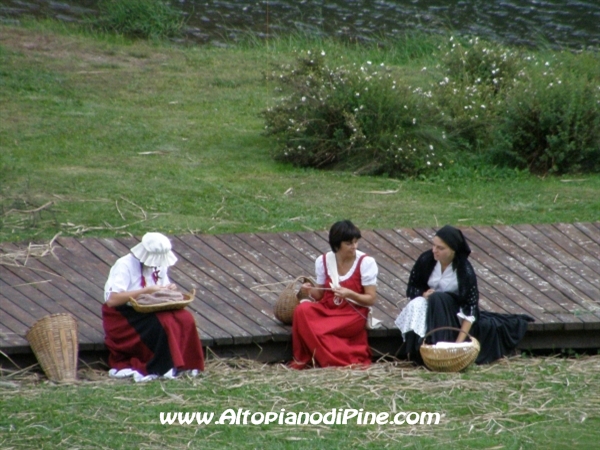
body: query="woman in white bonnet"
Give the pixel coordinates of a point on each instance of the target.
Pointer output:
(147, 345)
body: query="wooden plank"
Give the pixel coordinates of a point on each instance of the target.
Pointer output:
(573, 256)
(275, 258)
(216, 281)
(528, 269)
(565, 281)
(39, 297)
(237, 284)
(249, 281)
(107, 254)
(12, 332)
(75, 283)
(234, 285)
(254, 270)
(260, 277)
(69, 282)
(537, 291)
(83, 261)
(249, 253)
(288, 251)
(560, 260)
(590, 230)
(588, 250)
(15, 318)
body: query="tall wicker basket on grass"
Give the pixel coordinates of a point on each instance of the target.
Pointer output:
(453, 359)
(53, 340)
(288, 299)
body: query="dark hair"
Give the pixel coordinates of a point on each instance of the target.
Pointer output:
(342, 231)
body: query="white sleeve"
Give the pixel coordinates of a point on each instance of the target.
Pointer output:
(368, 271)
(463, 316)
(119, 279)
(320, 270)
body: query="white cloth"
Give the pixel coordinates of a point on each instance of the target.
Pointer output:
(368, 270)
(414, 316)
(443, 282)
(443, 344)
(155, 250)
(139, 378)
(126, 275)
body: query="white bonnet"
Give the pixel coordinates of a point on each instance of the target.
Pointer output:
(155, 251)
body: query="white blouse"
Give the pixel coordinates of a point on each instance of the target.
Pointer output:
(126, 275)
(368, 270)
(443, 282)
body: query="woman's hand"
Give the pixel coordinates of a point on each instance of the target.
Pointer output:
(343, 292)
(366, 299)
(307, 291)
(428, 292)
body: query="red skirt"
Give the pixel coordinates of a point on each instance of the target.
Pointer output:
(151, 343)
(324, 336)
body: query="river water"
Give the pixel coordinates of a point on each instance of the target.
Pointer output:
(560, 23)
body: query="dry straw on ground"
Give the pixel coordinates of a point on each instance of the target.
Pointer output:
(502, 397)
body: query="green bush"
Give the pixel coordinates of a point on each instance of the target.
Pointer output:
(482, 103)
(354, 117)
(139, 18)
(477, 75)
(551, 123)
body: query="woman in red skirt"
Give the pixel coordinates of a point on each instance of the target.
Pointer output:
(330, 328)
(147, 345)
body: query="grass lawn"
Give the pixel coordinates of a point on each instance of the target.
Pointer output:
(519, 403)
(101, 136)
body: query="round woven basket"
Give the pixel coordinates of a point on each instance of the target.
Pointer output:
(53, 340)
(449, 359)
(166, 306)
(288, 300)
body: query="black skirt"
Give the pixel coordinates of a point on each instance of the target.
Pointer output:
(498, 334)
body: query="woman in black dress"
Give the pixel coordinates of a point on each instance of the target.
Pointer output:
(443, 292)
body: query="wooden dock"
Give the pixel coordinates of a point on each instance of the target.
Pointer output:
(551, 272)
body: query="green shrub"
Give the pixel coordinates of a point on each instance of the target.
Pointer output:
(139, 18)
(354, 117)
(477, 75)
(551, 123)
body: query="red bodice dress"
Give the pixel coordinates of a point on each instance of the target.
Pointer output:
(326, 334)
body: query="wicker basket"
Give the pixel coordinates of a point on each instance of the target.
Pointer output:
(449, 359)
(166, 306)
(289, 299)
(53, 340)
